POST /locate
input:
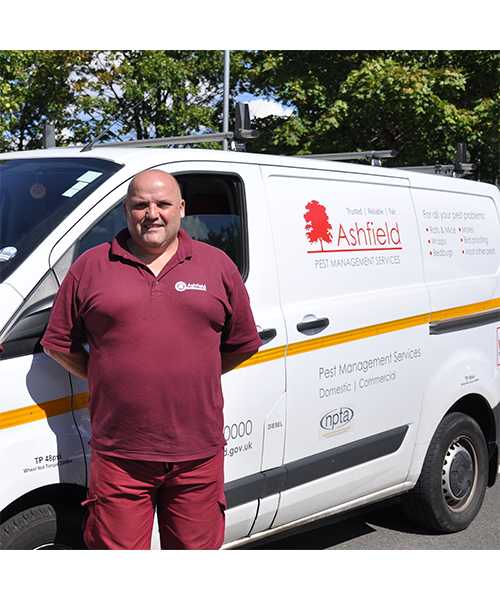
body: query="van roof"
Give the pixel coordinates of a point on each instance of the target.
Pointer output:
(138, 159)
(129, 155)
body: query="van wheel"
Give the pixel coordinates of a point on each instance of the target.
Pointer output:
(451, 487)
(44, 527)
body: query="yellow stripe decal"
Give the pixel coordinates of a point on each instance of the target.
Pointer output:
(365, 332)
(333, 340)
(465, 311)
(44, 410)
(356, 334)
(60, 406)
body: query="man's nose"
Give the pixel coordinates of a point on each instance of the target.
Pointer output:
(152, 211)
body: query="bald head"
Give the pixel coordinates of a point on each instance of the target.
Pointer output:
(153, 179)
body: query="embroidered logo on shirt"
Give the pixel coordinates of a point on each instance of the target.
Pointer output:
(180, 286)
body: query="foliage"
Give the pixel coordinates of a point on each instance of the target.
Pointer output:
(35, 88)
(138, 94)
(419, 103)
(150, 93)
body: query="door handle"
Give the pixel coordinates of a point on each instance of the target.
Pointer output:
(313, 327)
(266, 335)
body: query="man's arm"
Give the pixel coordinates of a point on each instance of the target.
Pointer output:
(231, 360)
(75, 362)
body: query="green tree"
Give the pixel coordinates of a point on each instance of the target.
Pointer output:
(139, 94)
(418, 103)
(35, 88)
(152, 94)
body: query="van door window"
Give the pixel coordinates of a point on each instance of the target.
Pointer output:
(105, 229)
(215, 213)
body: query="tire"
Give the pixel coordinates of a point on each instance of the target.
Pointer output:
(44, 527)
(450, 490)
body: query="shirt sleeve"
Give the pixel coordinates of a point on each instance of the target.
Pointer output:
(65, 331)
(240, 333)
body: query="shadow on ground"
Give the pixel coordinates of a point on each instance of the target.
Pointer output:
(337, 530)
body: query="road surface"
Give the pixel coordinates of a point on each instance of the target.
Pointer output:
(384, 526)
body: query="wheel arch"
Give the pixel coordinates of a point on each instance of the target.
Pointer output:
(66, 494)
(478, 408)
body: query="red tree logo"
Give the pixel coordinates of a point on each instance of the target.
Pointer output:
(318, 228)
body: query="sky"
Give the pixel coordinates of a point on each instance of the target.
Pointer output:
(261, 107)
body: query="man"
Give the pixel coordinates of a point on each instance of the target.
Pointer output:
(164, 317)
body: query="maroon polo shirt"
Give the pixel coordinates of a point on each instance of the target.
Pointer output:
(154, 346)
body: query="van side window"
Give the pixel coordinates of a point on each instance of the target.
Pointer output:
(104, 230)
(215, 213)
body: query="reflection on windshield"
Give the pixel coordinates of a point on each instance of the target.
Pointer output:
(35, 197)
(7, 253)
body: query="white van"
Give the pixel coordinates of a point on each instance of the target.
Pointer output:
(377, 296)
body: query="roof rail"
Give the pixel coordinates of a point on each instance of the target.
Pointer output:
(460, 168)
(466, 169)
(373, 156)
(241, 136)
(238, 137)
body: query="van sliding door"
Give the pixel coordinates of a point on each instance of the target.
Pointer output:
(356, 312)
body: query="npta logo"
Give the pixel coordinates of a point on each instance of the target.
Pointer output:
(337, 419)
(359, 235)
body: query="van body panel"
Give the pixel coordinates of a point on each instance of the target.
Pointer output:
(459, 236)
(39, 439)
(457, 368)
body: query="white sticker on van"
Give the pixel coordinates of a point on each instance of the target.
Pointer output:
(89, 176)
(82, 182)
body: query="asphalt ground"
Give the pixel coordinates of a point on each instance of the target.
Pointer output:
(384, 526)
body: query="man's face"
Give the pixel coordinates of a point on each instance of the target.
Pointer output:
(153, 210)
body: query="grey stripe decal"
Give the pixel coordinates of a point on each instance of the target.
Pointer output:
(461, 323)
(300, 472)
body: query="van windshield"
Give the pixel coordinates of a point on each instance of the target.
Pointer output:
(36, 195)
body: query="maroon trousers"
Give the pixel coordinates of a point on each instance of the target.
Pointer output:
(123, 495)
